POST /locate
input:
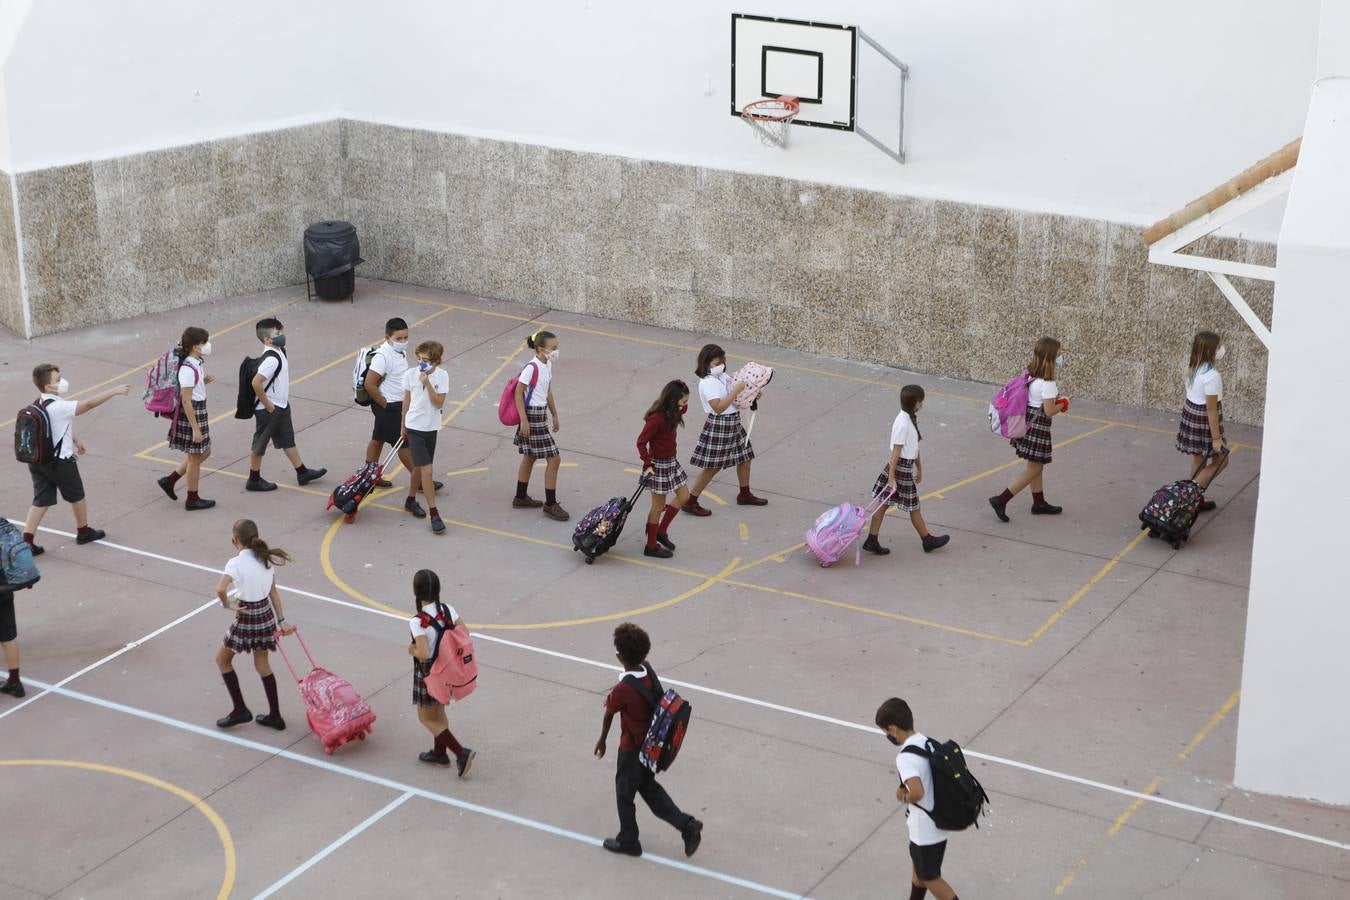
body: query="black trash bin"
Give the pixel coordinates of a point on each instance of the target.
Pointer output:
(332, 253)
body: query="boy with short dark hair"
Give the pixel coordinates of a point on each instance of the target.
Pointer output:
(62, 474)
(384, 384)
(632, 645)
(927, 842)
(272, 414)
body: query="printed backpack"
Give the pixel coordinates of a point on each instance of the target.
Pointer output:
(755, 378)
(454, 670)
(17, 569)
(161, 384)
(1008, 412)
(247, 401)
(507, 413)
(33, 441)
(364, 357)
(670, 721)
(958, 797)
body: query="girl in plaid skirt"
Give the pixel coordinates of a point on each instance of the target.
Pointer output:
(534, 401)
(661, 467)
(1200, 435)
(430, 619)
(1043, 404)
(190, 430)
(901, 475)
(250, 576)
(723, 442)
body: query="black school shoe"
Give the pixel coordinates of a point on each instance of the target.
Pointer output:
(658, 552)
(1001, 509)
(166, 486)
(199, 503)
(310, 475)
(436, 759)
(613, 846)
(1046, 509)
(268, 720)
(97, 534)
(872, 545)
(1207, 506)
(412, 506)
(464, 761)
(36, 550)
(664, 540)
(260, 484)
(14, 690)
(693, 836)
(239, 717)
(933, 542)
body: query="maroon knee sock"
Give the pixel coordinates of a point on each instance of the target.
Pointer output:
(29, 537)
(236, 695)
(83, 530)
(433, 510)
(651, 535)
(1006, 496)
(1038, 498)
(173, 477)
(192, 495)
(446, 741)
(917, 892)
(13, 676)
(666, 518)
(270, 689)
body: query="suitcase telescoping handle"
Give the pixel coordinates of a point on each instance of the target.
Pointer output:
(390, 454)
(642, 486)
(312, 664)
(871, 510)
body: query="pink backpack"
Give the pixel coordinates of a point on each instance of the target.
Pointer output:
(161, 384)
(837, 528)
(506, 407)
(1008, 412)
(335, 711)
(454, 671)
(755, 378)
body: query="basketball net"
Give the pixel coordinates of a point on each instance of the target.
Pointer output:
(771, 119)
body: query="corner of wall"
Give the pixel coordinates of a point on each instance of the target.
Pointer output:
(15, 313)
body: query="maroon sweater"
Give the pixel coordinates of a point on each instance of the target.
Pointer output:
(657, 440)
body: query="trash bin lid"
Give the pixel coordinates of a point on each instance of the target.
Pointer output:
(331, 230)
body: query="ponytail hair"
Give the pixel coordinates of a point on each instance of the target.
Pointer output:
(426, 588)
(534, 342)
(246, 533)
(192, 336)
(911, 395)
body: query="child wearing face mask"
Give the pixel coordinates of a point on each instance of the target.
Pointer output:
(661, 467)
(534, 402)
(723, 442)
(1043, 404)
(258, 617)
(190, 429)
(272, 421)
(901, 475)
(62, 473)
(1200, 435)
(424, 390)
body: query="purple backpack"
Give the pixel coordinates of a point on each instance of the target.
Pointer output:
(1008, 412)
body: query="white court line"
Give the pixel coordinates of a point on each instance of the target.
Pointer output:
(788, 710)
(412, 790)
(326, 851)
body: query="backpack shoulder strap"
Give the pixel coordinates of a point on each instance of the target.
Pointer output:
(277, 373)
(925, 752)
(643, 691)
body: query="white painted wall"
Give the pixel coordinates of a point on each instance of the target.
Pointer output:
(91, 79)
(1295, 666)
(1120, 110)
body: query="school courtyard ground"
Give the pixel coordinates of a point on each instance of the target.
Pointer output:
(1092, 673)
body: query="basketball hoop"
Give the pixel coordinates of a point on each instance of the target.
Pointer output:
(771, 119)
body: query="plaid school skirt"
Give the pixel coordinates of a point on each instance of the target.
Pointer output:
(667, 476)
(421, 669)
(1035, 445)
(722, 444)
(180, 430)
(540, 444)
(1193, 436)
(906, 496)
(254, 628)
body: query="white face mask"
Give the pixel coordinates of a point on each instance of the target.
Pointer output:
(400, 346)
(62, 388)
(1221, 352)
(552, 354)
(206, 349)
(718, 369)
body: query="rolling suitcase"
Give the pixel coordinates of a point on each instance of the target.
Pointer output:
(600, 528)
(1172, 510)
(347, 496)
(839, 527)
(335, 711)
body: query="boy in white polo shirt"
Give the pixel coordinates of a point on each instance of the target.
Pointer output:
(424, 390)
(62, 474)
(272, 413)
(384, 384)
(927, 842)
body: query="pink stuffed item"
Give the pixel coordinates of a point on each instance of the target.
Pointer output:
(839, 527)
(335, 711)
(755, 378)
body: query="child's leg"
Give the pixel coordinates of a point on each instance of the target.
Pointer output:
(1038, 480)
(293, 455)
(432, 718)
(255, 462)
(261, 663)
(11, 649)
(743, 475)
(405, 457)
(80, 508)
(940, 889)
(658, 506)
(681, 497)
(877, 518)
(225, 660)
(551, 473)
(526, 469)
(429, 484)
(704, 478)
(374, 449)
(916, 519)
(240, 712)
(33, 519)
(181, 468)
(194, 471)
(263, 666)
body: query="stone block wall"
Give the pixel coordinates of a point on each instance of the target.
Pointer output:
(11, 300)
(116, 238)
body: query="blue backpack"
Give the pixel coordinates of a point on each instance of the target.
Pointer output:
(17, 569)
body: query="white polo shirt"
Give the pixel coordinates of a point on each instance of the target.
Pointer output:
(1206, 383)
(906, 435)
(252, 580)
(193, 374)
(415, 625)
(421, 415)
(1040, 391)
(390, 364)
(61, 415)
(280, 391)
(715, 387)
(539, 396)
(922, 830)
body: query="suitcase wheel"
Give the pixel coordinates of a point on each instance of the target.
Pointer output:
(590, 560)
(350, 518)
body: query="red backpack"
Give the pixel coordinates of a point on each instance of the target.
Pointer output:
(454, 670)
(507, 412)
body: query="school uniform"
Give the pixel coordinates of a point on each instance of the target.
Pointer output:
(539, 443)
(905, 434)
(389, 364)
(1036, 446)
(422, 667)
(1193, 437)
(927, 842)
(255, 623)
(656, 446)
(723, 442)
(191, 374)
(275, 426)
(62, 472)
(423, 421)
(632, 778)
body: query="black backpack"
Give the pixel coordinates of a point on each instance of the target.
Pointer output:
(248, 400)
(33, 442)
(958, 797)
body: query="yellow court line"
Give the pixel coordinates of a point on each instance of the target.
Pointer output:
(1124, 818)
(745, 532)
(475, 469)
(1082, 591)
(222, 832)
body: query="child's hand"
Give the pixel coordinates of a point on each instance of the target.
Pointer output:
(918, 474)
(600, 749)
(288, 629)
(890, 485)
(210, 379)
(412, 648)
(557, 423)
(523, 429)
(79, 447)
(1063, 404)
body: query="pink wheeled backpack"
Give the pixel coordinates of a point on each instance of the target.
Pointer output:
(837, 528)
(335, 711)
(755, 378)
